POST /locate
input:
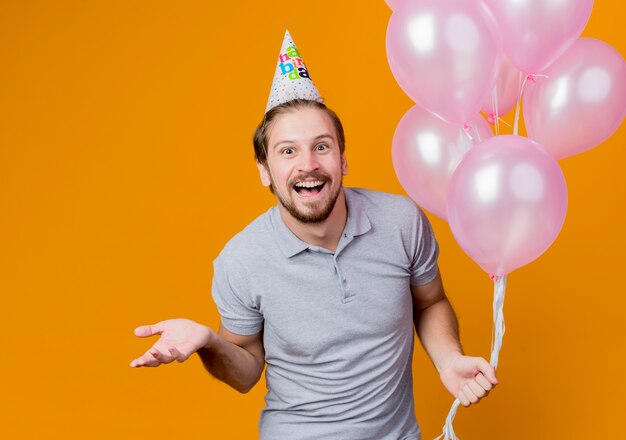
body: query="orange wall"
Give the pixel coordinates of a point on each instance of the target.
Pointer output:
(126, 164)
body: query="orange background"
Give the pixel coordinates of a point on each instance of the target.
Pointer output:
(126, 164)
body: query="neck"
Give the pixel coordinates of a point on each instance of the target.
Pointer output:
(324, 234)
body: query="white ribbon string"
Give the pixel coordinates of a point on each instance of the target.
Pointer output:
(467, 128)
(521, 93)
(499, 289)
(505, 123)
(519, 102)
(448, 430)
(496, 116)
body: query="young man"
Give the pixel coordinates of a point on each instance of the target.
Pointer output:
(326, 288)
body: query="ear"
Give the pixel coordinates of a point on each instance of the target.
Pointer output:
(264, 173)
(344, 165)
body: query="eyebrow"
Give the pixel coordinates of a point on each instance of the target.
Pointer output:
(315, 139)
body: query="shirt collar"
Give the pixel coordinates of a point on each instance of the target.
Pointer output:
(357, 224)
(287, 241)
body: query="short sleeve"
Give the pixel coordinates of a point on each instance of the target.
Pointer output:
(424, 267)
(233, 298)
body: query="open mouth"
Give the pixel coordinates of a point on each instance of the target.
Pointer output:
(310, 188)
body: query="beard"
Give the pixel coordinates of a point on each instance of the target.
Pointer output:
(316, 212)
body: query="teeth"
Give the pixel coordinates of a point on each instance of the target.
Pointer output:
(309, 184)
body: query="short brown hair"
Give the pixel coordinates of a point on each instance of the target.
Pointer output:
(260, 138)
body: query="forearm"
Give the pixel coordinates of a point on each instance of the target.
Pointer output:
(467, 378)
(231, 364)
(438, 331)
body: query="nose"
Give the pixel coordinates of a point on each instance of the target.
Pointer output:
(308, 162)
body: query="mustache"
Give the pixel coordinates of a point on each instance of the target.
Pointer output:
(322, 177)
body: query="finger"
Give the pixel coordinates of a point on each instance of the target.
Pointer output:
(478, 391)
(488, 371)
(135, 363)
(161, 357)
(148, 330)
(177, 354)
(483, 382)
(147, 360)
(467, 392)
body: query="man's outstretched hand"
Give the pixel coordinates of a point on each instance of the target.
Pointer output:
(469, 379)
(180, 338)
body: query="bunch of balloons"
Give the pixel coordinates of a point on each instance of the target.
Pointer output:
(504, 196)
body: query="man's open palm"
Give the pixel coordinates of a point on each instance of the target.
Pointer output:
(180, 338)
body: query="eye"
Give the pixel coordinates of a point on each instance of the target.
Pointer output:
(288, 150)
(321, 147)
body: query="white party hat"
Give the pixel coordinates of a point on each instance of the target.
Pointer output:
(291, 79)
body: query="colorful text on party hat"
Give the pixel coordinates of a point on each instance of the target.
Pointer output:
(292, 65)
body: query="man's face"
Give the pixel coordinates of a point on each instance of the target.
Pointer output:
(304, 164)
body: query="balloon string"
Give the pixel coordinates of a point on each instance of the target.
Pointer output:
(496, 115)
(492, 121)
(530, 78)
(505, 123)
(448, 430)
(478, 136)
(467, 128)
(499, 289)
(519, 102)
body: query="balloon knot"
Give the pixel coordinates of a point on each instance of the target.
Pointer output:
(493, 277)
(531, 78)
(467, 128)
(491, 119)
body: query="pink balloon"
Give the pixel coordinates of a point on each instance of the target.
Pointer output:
(506, 203)
(427, 149)
(444, 54)
(581, 102)
(507, 87)
(537, 32)
(392, 3)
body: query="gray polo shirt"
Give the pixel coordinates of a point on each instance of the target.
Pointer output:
(337, 327)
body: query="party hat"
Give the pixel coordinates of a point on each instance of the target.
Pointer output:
(291, 79)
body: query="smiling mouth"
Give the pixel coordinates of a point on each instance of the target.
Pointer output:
(308, 189)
